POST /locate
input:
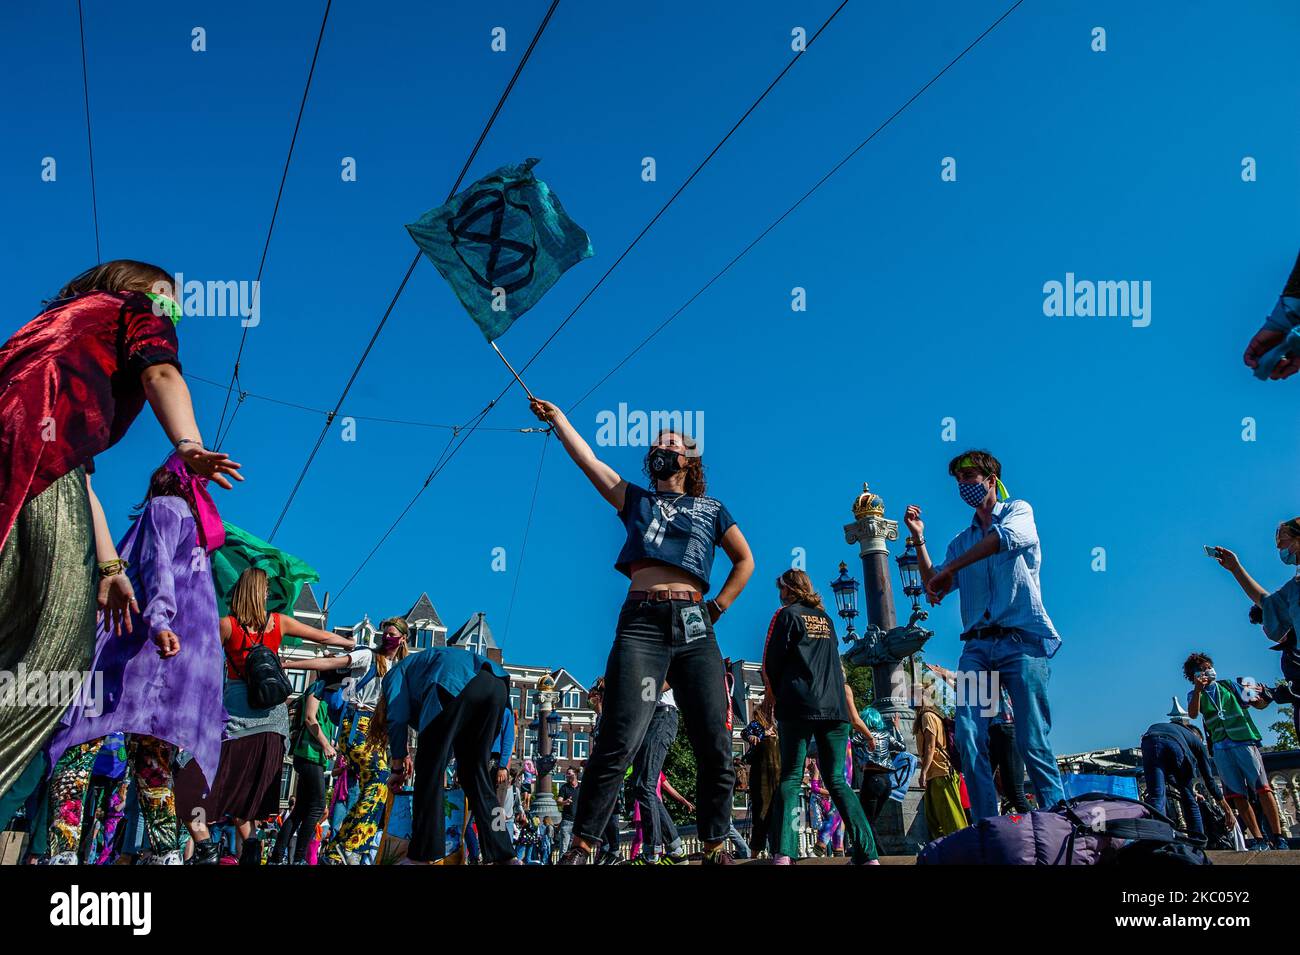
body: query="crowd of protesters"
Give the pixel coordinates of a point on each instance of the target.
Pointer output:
(181, 755)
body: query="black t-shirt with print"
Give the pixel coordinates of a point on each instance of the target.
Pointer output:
(680, 531)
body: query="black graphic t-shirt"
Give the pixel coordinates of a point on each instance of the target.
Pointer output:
(680, 531)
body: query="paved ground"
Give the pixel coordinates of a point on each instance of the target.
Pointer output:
(1218, 858)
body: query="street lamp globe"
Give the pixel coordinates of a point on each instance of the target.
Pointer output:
(909, 569)
(845, 589)
(553, 725)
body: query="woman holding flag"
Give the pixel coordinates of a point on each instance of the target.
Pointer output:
(664, 630)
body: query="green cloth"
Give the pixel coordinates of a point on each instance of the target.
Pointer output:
(501, 244)
(832, 738)
(307, 746)
(285, 573)
(1227, 720)
(943, 812)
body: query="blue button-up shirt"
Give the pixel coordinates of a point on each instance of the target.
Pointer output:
(411, 690)
(1003, 590)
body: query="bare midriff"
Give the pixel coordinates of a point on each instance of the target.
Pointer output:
(656, 575)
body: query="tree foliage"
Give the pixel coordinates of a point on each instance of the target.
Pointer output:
(1285, 730)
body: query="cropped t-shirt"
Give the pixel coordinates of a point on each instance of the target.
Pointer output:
(680, 531)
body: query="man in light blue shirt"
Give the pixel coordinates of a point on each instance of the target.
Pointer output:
(994, 564)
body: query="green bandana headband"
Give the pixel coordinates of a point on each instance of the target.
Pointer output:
(166, 306)
(1003, 493)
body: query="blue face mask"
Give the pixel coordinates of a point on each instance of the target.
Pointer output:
(972, 494)
(1287, 555)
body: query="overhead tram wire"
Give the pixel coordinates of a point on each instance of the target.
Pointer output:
(415, 260)
(762, 235)
(523, 547)
(261, 265)
(447, 455)
(90, 142)
(243, 394)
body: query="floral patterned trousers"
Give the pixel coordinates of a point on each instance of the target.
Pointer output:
(150, 762)
(368, 765)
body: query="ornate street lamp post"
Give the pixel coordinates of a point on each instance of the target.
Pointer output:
(544, 806)
(884, 645)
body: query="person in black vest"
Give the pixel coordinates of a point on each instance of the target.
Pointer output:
(803, 674)
(665, 629)
(1173, 755)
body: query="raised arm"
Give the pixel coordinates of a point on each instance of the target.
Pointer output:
(295, 628)
(339, 662)
(1228, 560)
(602, 477)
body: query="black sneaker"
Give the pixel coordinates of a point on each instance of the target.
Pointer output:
(642, 860)
(718, 856)
(669, 859)
(575, 856)
(610, 858)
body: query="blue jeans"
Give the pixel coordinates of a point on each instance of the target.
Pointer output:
(1164, 762)
(1022, 667)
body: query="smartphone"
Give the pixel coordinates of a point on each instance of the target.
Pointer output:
(1211, 551)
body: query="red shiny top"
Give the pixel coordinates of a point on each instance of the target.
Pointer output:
(70, 388)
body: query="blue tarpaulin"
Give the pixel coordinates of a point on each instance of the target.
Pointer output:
(1076, 784)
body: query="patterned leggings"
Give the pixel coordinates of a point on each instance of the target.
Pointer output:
(151, 765)
(368, 765)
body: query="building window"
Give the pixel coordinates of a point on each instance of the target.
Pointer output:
(531, 710)
(560, 748)
(572, 699)
(530, 744)
(516, 699)
(581, 745)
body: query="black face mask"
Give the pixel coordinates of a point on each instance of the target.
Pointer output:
(664, 463)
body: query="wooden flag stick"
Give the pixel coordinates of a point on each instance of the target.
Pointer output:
(513, 372)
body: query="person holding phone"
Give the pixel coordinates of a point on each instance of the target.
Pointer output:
(1008, 637)
(664, 630)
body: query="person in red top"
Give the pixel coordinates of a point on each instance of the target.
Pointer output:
(247, 784)
(72, 381)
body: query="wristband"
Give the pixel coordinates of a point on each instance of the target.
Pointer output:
(112, 567)
(187, 441)
(717, 606)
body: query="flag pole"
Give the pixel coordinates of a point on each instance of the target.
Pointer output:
(513, 372)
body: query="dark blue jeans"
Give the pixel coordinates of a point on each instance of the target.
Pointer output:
(651, 646)
(1166, 767)
(646, 767)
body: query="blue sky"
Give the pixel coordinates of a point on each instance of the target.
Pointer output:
(924, 297)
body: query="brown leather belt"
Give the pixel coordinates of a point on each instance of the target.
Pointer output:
(661, 595)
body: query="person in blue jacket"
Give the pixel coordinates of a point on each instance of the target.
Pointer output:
(458, 703)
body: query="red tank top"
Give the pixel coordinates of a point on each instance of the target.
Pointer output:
(240, 643)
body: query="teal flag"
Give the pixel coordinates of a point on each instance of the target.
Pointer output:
(501, 244)
(285, 573)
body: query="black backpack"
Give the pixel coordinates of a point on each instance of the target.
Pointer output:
(267, 683)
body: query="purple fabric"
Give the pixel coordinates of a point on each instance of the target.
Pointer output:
(178, 700)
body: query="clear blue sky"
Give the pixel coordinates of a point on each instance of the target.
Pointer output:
(924, 297)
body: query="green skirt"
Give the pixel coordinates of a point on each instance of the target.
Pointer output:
(47, 618)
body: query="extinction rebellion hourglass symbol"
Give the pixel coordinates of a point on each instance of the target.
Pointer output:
(494, 260)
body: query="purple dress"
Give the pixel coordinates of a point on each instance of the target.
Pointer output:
(133, 690)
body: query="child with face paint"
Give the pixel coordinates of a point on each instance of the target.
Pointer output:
(1008, 636)
(664, 631)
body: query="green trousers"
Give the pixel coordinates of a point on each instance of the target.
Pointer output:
(832, 737)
